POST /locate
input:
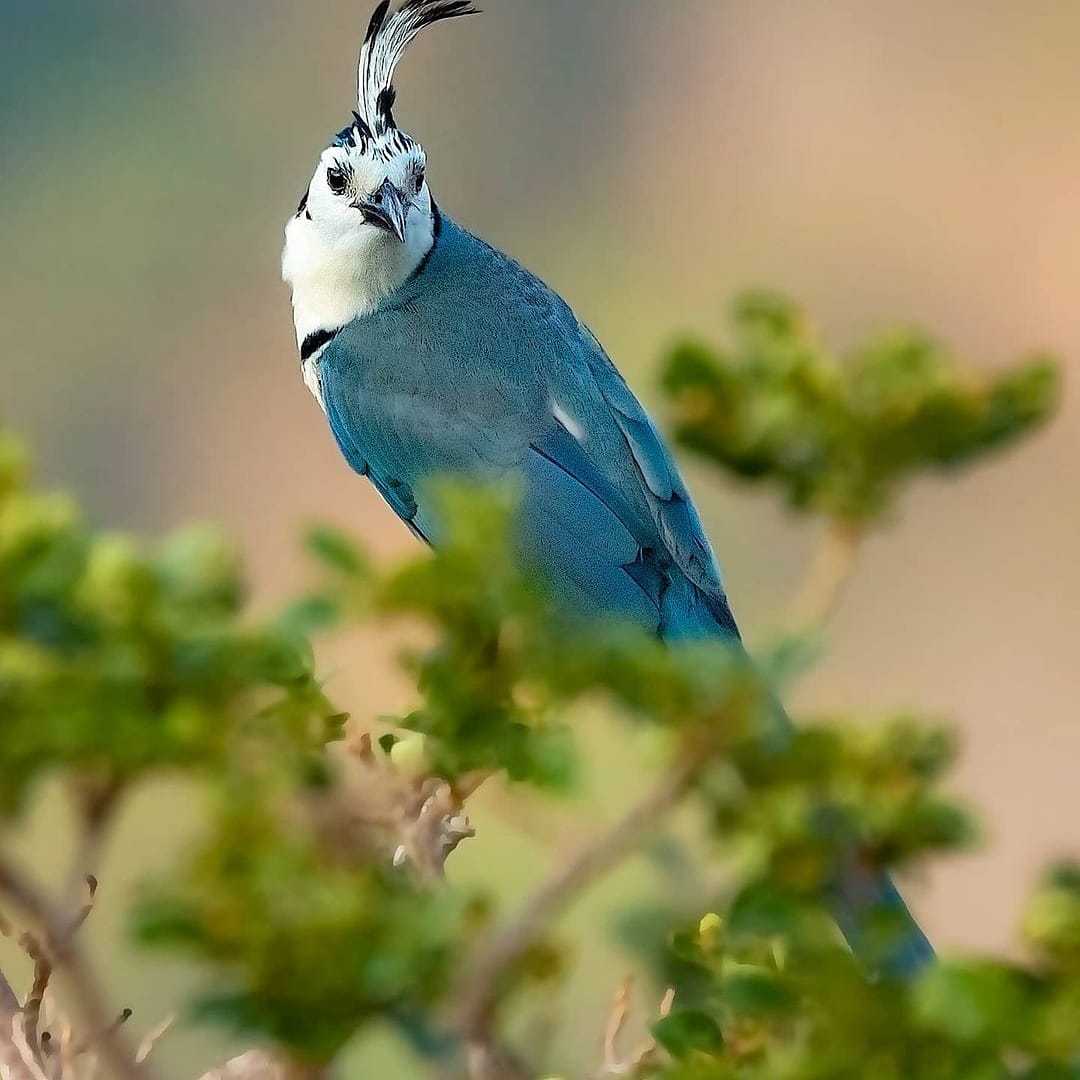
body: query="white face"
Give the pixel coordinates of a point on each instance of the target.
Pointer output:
(349, 178)
(364, 226)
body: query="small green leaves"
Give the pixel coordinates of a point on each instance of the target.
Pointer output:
(976, 1002)
(313, 938)
(841, 436)
(687, 1032)
(311, 900)
(1052, 922)
(118, 657)
(337, 551)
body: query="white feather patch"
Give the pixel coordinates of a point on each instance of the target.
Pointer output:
(570, 423)
(310, 370)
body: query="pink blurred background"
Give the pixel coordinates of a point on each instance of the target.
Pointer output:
(882, 162)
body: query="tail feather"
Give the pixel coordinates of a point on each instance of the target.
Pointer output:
(868, 907)
(877, 924)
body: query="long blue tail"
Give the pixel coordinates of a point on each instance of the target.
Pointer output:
(877, 924)
(866, 905)
(870, 912)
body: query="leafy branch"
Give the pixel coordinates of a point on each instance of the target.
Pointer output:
(321, 895)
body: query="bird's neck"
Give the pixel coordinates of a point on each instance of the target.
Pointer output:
(339, 276)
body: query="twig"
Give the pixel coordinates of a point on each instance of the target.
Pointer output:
(153, 1037)
(253, 1065)
(620, 1010)
(9, 1002)
(828, 574)
(43, 970)
(422, 818)
(68, 961)
(95, 799)
(27, 1056)
(478, 989)
(616, 1065)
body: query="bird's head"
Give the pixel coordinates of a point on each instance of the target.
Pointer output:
(367, 214)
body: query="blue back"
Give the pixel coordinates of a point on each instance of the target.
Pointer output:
(476, 369)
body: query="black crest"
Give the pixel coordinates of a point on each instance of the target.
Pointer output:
(387, 38)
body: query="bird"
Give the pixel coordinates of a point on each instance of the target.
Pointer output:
(433, 354)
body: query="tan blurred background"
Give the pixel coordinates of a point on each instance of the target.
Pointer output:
(881, 161)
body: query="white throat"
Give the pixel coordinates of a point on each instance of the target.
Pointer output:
(341, 274)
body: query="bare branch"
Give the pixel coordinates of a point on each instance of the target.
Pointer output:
(59, 942)
(616, 1065)
(9, 1001)
(96, 800)
(43, 969)
(420, 818)
(254, 1065)
(479, 987)
(153, 1037)
(828, 574)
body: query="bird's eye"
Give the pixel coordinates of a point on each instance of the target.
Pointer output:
(419, 180)
(336, 180)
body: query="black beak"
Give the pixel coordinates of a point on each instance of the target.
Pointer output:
(388, 210)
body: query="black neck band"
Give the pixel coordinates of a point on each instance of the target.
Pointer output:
(314, 342)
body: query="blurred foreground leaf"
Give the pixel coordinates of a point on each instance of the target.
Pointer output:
(840, 436)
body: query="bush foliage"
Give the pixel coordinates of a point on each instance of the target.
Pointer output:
(315, 895)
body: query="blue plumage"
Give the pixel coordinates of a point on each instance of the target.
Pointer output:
(475, 368)
(432, 354)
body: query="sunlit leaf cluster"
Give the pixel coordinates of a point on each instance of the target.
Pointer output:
(311, 932)
(771, 995)
(304, 901)
(840, 434)
(119, 657)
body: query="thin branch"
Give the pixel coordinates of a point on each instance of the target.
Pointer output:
(478, 989)
(620, 1011)
(43, 969)
(68, 961)
(254, 1065)
(615, 1064)
(153, 1037)
(9, 1001)
(96, 801)
(829, 572)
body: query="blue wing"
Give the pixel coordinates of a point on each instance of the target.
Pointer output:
(482, 372)
(478, 370)
(643, 559)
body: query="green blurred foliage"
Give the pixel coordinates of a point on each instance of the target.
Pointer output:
(117, 657)
(120, 659)
(785, 1001)
(314, 934)
(839, 435)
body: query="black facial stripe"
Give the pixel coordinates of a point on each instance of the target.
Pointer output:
(435, 234)
(314, 342)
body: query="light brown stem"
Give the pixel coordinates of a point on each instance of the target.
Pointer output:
(828, 574)
(9, 1001)
(95, 804)
(480, 985)
(69, 962)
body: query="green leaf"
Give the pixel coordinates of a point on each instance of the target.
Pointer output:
(688, 1032)
(337, 551)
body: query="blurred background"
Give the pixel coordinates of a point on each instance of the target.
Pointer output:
(882, 162)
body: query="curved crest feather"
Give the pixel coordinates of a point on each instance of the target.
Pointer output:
(385, 44)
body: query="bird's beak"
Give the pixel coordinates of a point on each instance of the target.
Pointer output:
(388, 210)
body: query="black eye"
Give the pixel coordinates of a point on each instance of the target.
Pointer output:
(336, 180)
(419, 180)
